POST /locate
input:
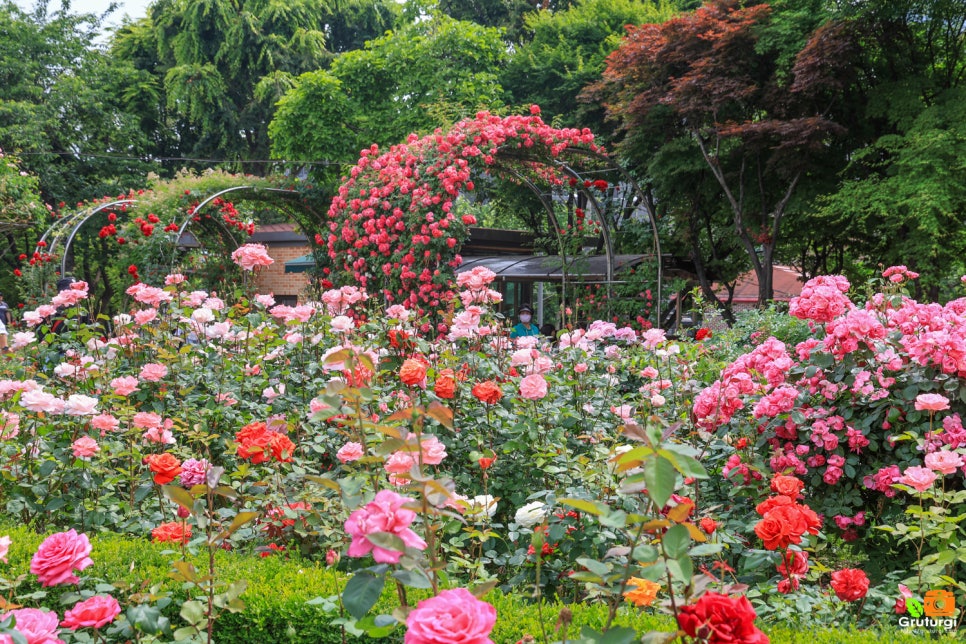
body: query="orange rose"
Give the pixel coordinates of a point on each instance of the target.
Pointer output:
(445, 384)
(787, 486)
(412, 372)
(785, 525)
(165, 467)
(642, 591)
(488, 392)
(172, 531)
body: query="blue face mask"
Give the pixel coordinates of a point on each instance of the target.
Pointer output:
(525, 317)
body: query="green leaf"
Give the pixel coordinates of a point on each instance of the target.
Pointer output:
(660, 476)
(676, 541)
(193, 612)
(617, 635)
(180, 496)
(594, 566)
(589, 507)
(386, 541)
(362, 592)
(412, 578)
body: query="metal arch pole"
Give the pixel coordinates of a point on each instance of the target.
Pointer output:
(209, 199)
(604, 229)
(77, 226)
(548, 206)
(652, 218)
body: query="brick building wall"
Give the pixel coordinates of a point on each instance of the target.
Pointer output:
(273, 279)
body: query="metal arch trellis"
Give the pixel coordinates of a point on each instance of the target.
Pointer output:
(64, 230)
(638, 200)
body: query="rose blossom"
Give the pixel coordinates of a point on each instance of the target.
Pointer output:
(165, 467)
(95, 612)
(249, 256)
(172, 531)
(193, 471)
(531, 514)
(931, 402)
(918, 478)
(451, 616)
(487, 392)
(80, 405)
(153, 372)
(720, 619)
(59, 555)
(105, 422)
(5, 543)
(37, 626)
(85, 447)
(533, 387)
(385, 513)
(944, 461)
(125, 385)
(350, 452)
(850, 584)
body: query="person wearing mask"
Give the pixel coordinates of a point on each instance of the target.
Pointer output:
(525, 327)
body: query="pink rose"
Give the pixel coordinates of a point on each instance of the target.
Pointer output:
(931, 402)
(385, 513)
(249, 256)
(146, 420)
(533, 387)
(944, 462)
(125, 385)
(194, 471)
(59, 555)
(153, 372)
(5, 542)
(85, 447)
(105, 423)
(174, 278)
(95, 612)
(144, 316)
(919, 478)
(38, 626)
(349, 452)
(80, 405)
(452, 616)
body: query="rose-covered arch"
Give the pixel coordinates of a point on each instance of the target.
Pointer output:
(392, 227)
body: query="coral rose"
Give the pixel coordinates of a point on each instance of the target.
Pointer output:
(254, 442)
(385, 513)
(719, 619)
(166, 467)
(785, 525)
(487, 392)
(918, 478)
(787, 486)
(850, 584)
(248, 256)
(172, 531)
(94, 612)
(413, 372)
(452, 616)
(445, 386)
(59, 555)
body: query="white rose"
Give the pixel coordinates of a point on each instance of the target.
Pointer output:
(531, 514)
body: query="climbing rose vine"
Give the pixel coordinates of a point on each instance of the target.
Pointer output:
(392, 228)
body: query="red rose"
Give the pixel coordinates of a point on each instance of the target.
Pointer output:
(254, 442)
(281, 447)
(850, 584)
(487, 392)
(781, 527)
(770, 503)
(708, 525)
(719, 619)
(702, 334)
(794, 563)
(165, 467)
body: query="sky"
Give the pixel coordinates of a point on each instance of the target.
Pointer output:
(133, 8)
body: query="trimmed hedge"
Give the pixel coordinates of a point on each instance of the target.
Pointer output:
(279, 589)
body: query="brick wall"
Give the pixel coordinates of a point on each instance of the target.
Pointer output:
(274, 279)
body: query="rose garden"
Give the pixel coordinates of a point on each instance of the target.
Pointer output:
(400, 468)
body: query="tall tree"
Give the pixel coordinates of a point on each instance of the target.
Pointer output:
(209, 72)
(761, 129)
(60, 107)
(425, 75)
(566, 50)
